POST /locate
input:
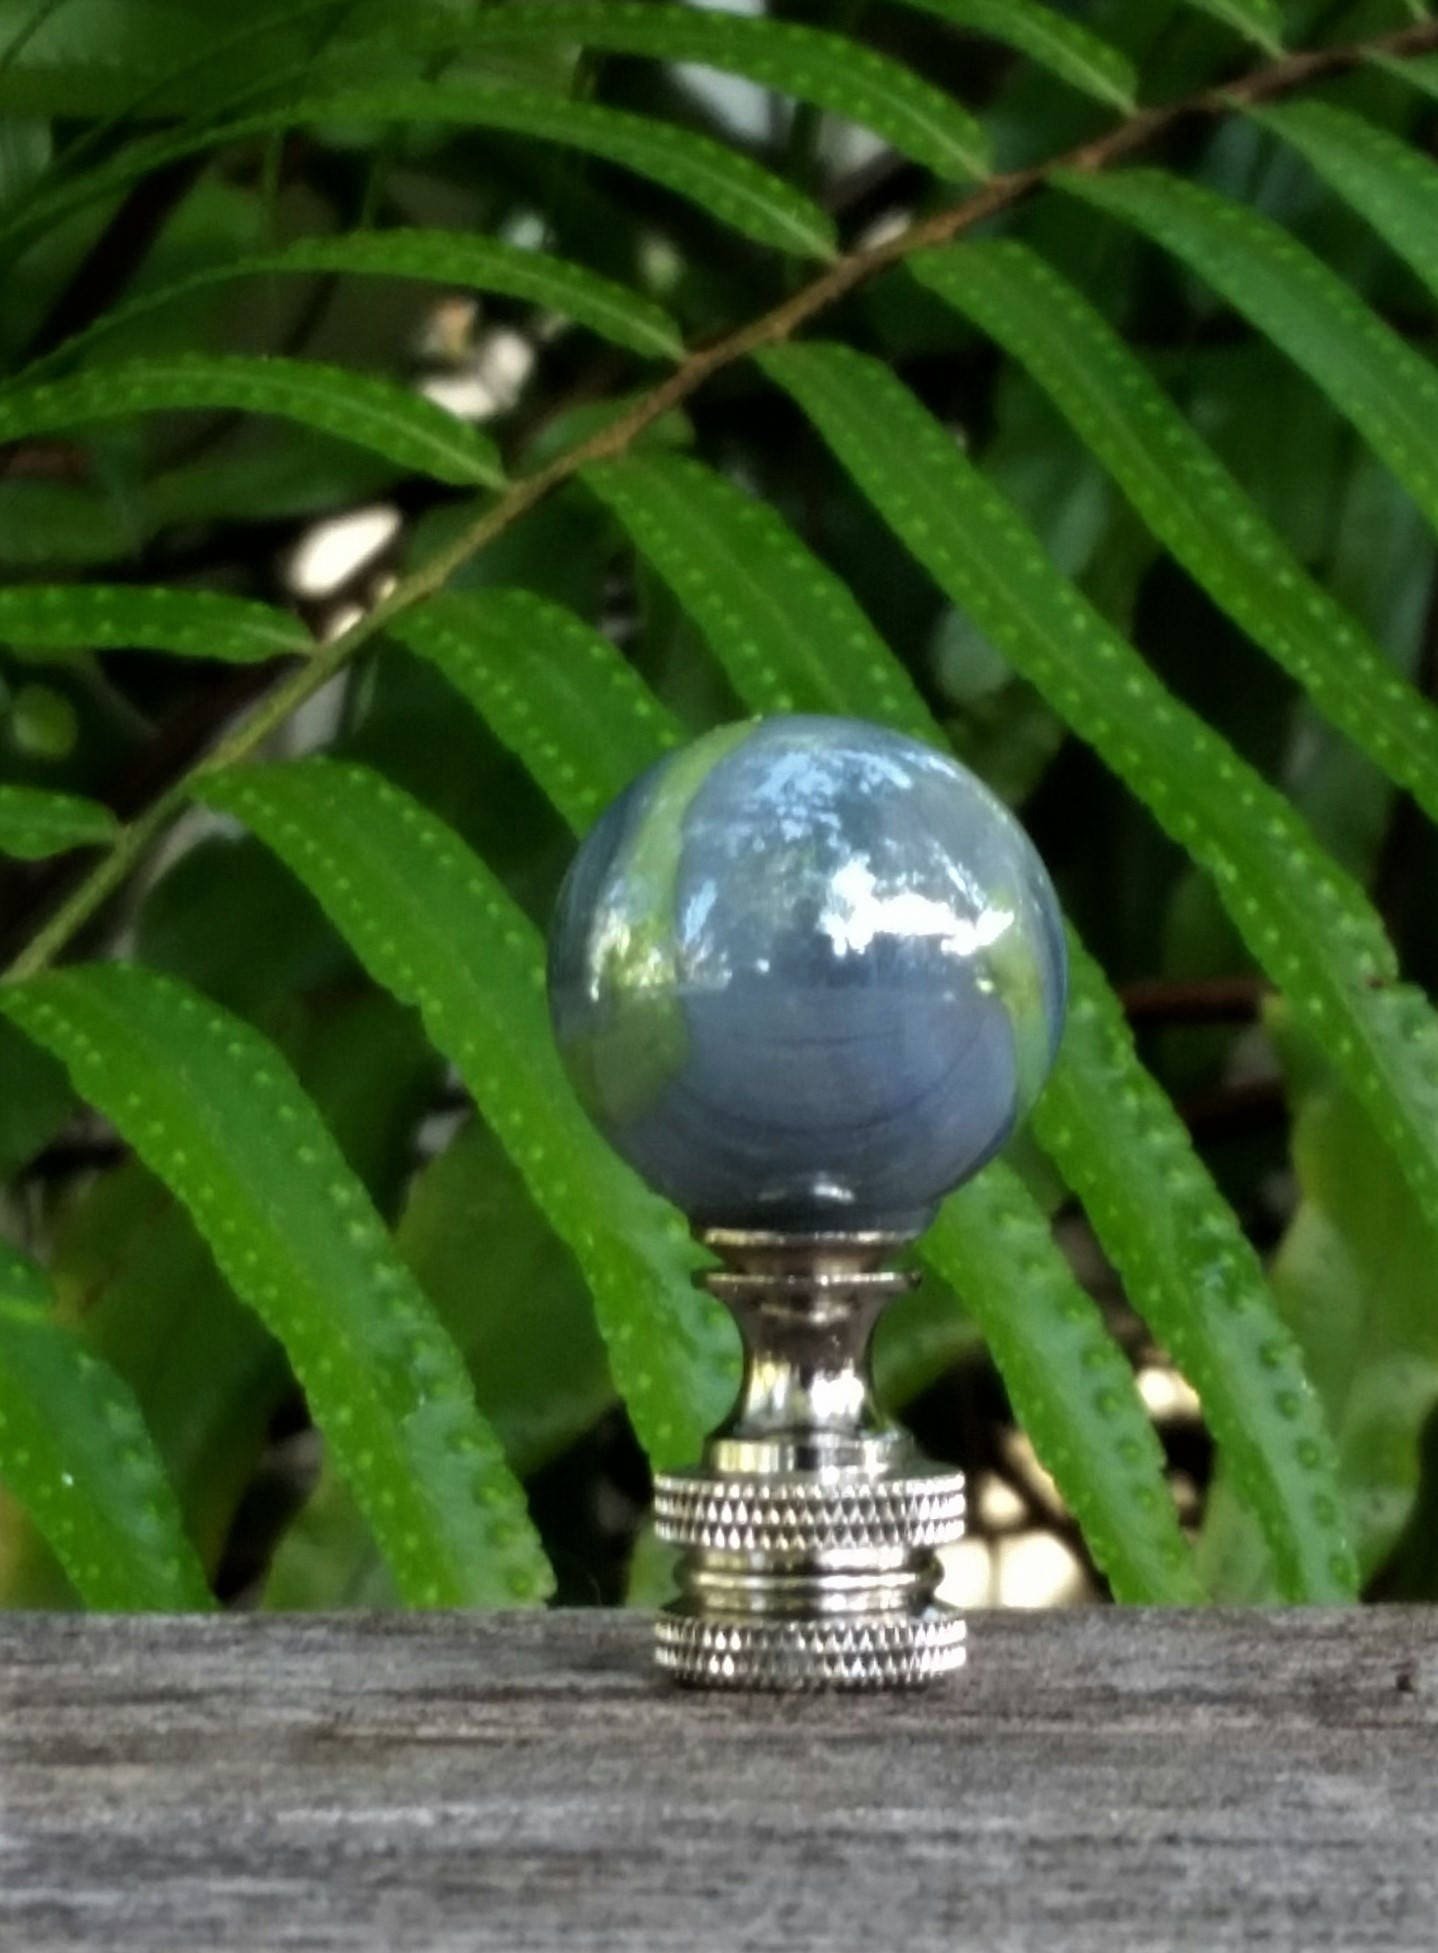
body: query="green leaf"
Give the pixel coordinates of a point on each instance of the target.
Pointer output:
(734, 190)
(122, 617)
(467, 1211)
(358, 407)
(828, 70)
(1190, 501)
(594, 700)
(1072, 52)
(1306, 923)
(1259, 21)
(1068, 1383)
(432, 924)
(1355, 1275)
(542, 679)
(1419, 71)
(1387, 389)
(452, 258)
(214, 1109)
(1199, 1283)
(788, 631)
(792, 639)
(130, 1268)
(35, 823)
(74, 1450)
(1387, 180)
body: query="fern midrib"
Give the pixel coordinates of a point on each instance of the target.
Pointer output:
(835, 282)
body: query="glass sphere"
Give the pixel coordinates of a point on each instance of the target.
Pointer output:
(807, 974)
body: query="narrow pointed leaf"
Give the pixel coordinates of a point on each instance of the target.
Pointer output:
(1136, 1539)
(75, 1452)
(1388, 181)
(546, 683)
(36, 823)
(1069, 1385)
(1201, 1287)
(1072, 52)
(433, 925)
(828, 70)
(451, 258)
(1382, 384)
(788, 631)
(1306, 923)
(1259, 21)
(1420, 71)
(736, 191)
(216, 1112)
(1190, 501)
(119, 617)
(356, 407)
(766, 606)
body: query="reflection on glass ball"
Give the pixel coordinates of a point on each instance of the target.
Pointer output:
(806, 973)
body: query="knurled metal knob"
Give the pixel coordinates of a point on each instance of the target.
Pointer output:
(799, 1518)
(797, 1655)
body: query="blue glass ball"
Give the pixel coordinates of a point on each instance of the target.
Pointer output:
(807, 974)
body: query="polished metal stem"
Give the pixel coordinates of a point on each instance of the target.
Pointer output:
(809, 1530)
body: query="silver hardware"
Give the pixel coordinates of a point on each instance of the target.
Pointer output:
(809, 1530)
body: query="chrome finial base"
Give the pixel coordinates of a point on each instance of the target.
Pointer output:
(809, 1531)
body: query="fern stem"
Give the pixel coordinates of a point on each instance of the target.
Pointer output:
(997, 194)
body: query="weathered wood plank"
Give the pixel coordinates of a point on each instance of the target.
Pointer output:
(1096, 1780)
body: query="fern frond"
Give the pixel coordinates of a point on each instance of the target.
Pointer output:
(1069, 1384)
(734, 190)
(829, 71)
(1371, 375)
(1189, 1267)
(1386, 180)
(212, 1107)
(436, 928)
(123, 617)
(1069, 50)
(556, 693)
(1190, 501)
(1306, 923)
(451, 258)
(356, 407)
(75, 1452)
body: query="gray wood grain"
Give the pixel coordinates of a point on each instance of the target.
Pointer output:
(1096, 1780)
